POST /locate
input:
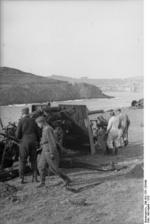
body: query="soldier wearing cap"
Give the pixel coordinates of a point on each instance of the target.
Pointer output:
(49, 155)
(28, 134)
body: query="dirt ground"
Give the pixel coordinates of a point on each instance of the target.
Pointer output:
(95, 197)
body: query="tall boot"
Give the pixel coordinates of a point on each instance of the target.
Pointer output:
(34, 177)
(34, 172)
(21, 171)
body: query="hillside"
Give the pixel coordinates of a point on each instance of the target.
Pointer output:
(18, 87)
(133, 84)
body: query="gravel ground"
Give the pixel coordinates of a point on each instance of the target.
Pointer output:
(95, 197)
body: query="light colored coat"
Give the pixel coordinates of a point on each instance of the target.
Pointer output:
(48, 141)
(114, 133)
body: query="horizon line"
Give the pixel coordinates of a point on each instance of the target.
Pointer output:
(71, 77)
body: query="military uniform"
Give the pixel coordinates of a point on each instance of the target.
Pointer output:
(102, 122)
(28, 133)
(124, 126)
(114, 133)
(49, 155)
(101, 143)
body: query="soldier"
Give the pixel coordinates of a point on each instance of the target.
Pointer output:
(124, 126)
(101, 138)
(28, 134)
(49, 155)
(102, 122)
(114, 133)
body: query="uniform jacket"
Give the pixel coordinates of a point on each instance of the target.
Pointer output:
(48, 141)
(114, 123)
(124, 121)
(27, 127)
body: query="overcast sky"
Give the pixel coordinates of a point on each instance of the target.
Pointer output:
(98, 39)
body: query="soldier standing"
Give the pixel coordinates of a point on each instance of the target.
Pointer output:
(28, 134)
(124, 126)
(114, 133)
(49, 154)
(101, 138)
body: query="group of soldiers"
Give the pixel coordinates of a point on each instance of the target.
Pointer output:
(32, 140)
(111, 135)
(35, 134)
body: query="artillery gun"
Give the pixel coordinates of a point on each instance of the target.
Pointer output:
(9, 150)
(72, 120)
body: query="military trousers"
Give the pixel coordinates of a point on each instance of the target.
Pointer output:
(45, 161)
(114, 138)
(28, 149)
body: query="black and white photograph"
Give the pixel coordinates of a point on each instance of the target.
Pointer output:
(72, 112)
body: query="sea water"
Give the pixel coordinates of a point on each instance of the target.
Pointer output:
(121, 99)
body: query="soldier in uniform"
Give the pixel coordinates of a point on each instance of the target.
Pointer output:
(49, 155)
(114, 133)
(101, 138)
(124, 126)
(28, 134)
(102, 122)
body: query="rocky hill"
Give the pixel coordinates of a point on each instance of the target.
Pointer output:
(18, 87)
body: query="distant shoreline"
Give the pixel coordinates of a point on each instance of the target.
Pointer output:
(58, 101)
(11, 113)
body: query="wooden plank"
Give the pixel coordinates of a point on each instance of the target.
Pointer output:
(92, 146)
(3, 157)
